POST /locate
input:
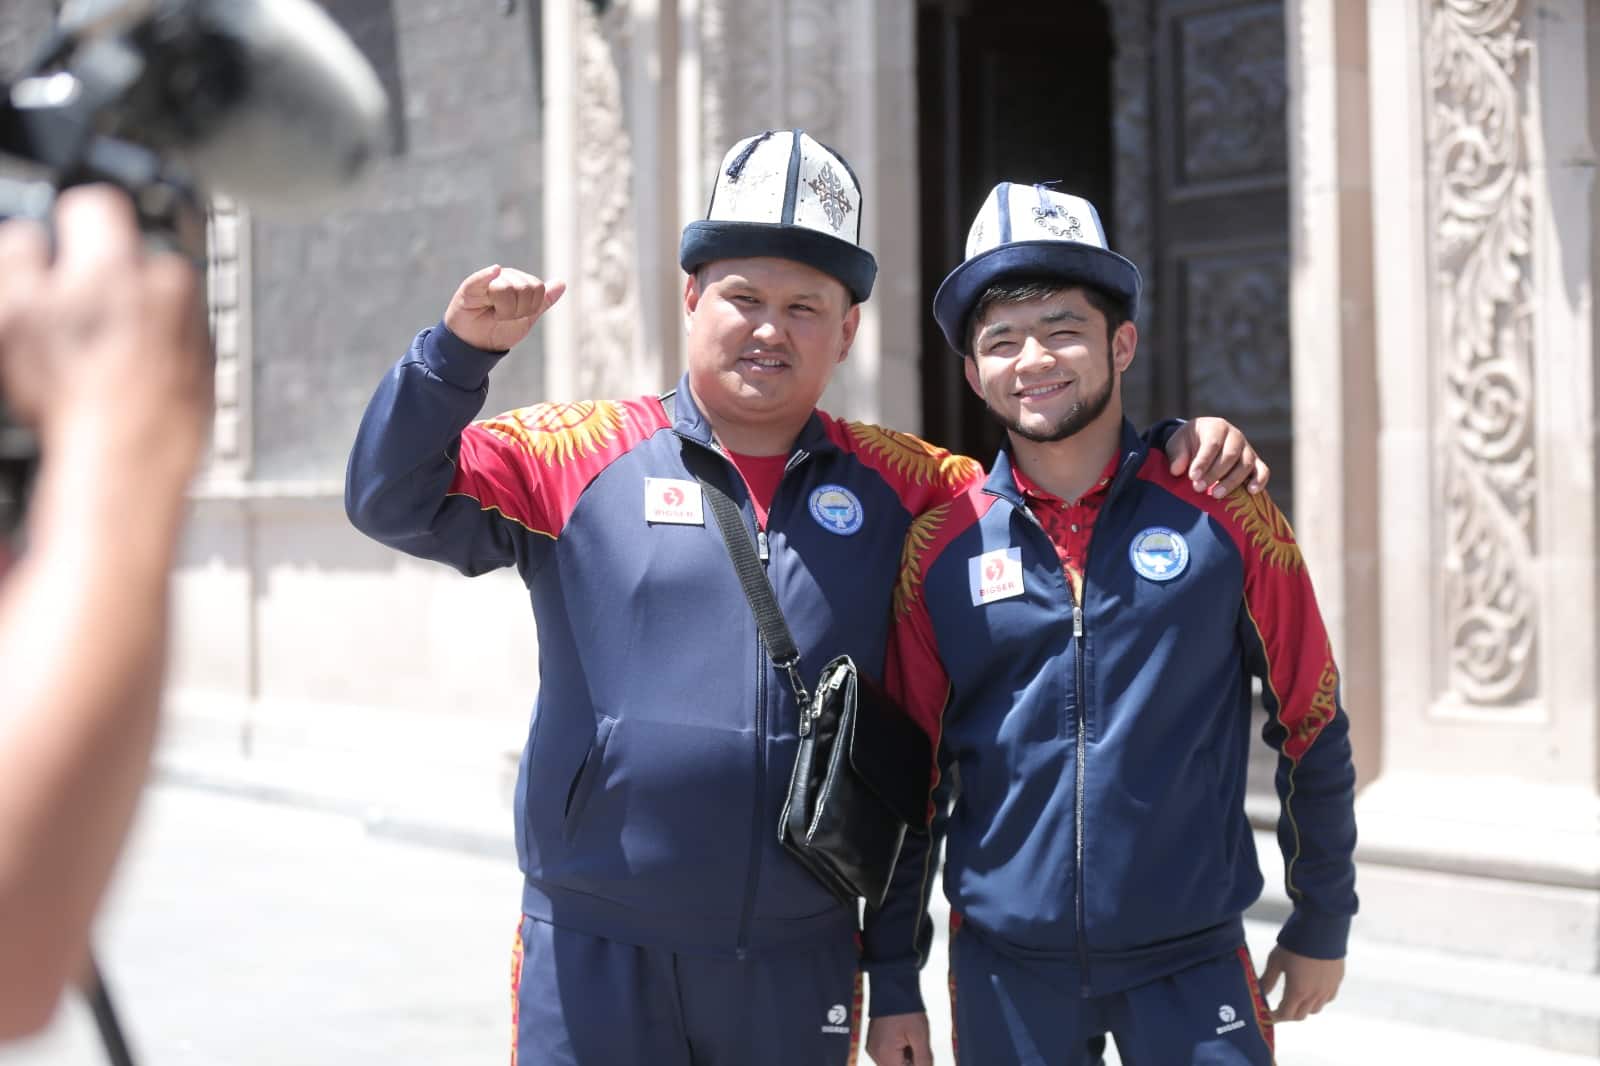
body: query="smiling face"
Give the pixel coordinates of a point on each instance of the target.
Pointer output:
(764, 338)
(1048, 366)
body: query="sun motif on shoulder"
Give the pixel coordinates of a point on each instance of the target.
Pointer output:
(912, 457)
(558, 433)
(919, 539)
(1267, 529)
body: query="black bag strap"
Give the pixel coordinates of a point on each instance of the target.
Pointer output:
(757, 589)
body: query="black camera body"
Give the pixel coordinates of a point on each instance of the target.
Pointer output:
(266, 101)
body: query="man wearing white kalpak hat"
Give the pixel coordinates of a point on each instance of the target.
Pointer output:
(662, 921)
(1080, 633)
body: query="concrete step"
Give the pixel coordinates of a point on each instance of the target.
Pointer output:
(1527, 1006)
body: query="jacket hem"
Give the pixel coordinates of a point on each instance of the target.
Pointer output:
(683, 933)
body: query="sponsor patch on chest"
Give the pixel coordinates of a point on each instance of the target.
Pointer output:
(995, 575)
(673, 502)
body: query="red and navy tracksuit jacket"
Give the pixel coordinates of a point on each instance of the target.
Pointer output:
(662, 738)
(1096, 742)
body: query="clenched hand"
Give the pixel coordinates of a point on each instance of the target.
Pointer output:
(496, 307)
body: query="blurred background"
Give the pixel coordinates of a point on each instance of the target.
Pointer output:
(1367, 229)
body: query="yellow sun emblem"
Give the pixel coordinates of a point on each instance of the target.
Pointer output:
(912, 457)
(919, 538)
(557, 433)
(1267, 529)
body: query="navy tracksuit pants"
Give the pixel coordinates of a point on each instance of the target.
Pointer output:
(1009, 1011)
(581, 1000)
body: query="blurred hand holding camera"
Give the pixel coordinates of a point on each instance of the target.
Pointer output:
(105, 351)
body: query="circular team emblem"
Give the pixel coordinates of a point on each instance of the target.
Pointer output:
(836, 509)
(1159, 554)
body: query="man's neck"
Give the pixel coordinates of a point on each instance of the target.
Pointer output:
(753, 437)
(1069, 468)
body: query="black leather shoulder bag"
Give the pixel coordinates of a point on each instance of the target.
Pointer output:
(864, 769)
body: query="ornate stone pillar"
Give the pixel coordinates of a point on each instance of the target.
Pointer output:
(1483, 831)
(609, 204)
(1335, 377)
(227, 293)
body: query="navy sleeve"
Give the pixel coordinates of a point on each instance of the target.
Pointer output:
(406, 457)
(896, 938)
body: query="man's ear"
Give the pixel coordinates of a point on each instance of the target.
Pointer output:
(969, 367)
(852, 322)
(691, 299)
(1124, 344)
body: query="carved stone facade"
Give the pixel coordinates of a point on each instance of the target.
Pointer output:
(771, 63)
(1481, 212)
(602, 158)
(227, 294)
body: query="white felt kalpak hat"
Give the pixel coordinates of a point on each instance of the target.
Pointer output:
(782, 194)
(1036, 232)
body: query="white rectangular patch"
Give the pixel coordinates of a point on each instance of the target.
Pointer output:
(995, 575)
(674, 502)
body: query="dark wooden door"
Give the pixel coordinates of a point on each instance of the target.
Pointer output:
(1010, 91)
(1221, 300)
(1023, 92)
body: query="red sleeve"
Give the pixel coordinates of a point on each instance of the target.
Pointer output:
(1301, 674)
(915, 674)
(533, 463)
(1301, 678)
(924, 475)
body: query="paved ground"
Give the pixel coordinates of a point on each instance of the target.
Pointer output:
(245, 933)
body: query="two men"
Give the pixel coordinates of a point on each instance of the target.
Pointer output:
(662, 921)
(1080, 633)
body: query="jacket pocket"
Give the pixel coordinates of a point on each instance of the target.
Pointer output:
(583, 781)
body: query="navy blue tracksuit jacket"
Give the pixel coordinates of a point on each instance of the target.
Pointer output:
(662, 739)
(1098, 737)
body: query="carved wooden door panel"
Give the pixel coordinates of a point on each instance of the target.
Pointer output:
(1221, 284)
(1221, 222)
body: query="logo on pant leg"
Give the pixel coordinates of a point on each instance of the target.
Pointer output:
(838, 1015)
(1230, 1020)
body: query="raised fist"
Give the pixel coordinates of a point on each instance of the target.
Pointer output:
(496, 307)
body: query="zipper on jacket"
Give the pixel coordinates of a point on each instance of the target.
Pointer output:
(753, 875)
(1083, 762)
(763, 656)
(1082, 750)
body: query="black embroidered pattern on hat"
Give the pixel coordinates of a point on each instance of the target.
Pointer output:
(830, 191)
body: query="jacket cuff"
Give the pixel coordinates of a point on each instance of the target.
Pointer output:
(455, 361)
(895, 990)
(1161, 432)
(1316, 935)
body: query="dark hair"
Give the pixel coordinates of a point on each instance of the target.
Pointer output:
(1019, 289)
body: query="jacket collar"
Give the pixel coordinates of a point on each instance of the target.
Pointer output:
(1002, 482)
